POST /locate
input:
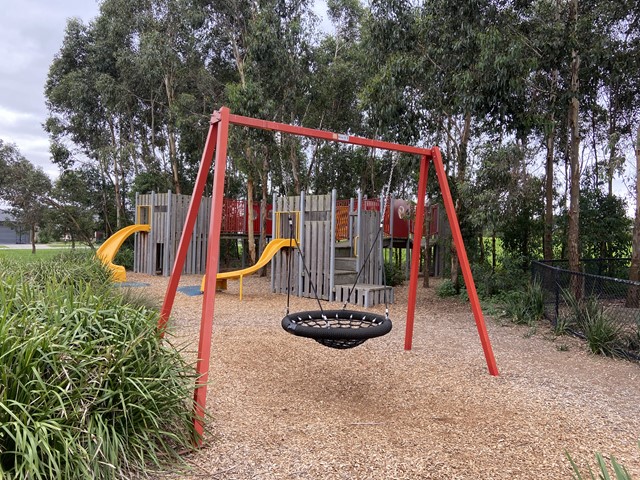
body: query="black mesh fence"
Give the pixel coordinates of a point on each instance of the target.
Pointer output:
(605, 267)
(603, 310)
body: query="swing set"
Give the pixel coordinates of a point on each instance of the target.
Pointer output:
(332, 327)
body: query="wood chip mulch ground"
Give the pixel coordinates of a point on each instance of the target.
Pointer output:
(284, 407)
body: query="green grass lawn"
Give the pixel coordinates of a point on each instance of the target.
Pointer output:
(25, 255)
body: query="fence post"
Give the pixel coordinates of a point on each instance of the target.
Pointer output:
(556, 273)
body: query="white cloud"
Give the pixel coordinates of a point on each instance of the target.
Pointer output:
(31, 33)
(10, 118)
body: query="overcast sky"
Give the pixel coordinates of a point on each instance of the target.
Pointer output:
(31, 33)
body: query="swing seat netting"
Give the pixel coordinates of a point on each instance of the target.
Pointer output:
(337, 328)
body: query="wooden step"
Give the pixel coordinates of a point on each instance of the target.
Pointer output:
(346, 263)
(364, 295)
(344, 277)
(343, 249)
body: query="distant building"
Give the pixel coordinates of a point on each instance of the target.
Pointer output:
(9, 232)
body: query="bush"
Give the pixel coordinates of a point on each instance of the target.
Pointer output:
(524, 307)
(446, 289)
(87, 387)
(590, 319)
(124, 257)
(507, 277)
(393, 274)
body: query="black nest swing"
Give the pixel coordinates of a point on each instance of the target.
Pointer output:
(339, 329)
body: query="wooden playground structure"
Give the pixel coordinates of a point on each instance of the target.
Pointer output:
(333, 234)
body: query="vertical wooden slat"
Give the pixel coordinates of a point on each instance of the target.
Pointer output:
(167, 234)
(300, 207)
(306, 258)
(328, 271)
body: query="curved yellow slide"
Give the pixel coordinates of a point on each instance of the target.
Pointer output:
(111, 245)
(273, 247)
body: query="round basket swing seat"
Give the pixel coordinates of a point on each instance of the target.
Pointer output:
(337, 328)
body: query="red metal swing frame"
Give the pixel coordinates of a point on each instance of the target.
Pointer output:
(217, 141)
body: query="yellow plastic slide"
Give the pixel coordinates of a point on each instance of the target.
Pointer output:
(111, 245)
(270, 250)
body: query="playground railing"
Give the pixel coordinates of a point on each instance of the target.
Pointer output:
(342, 219)
(581, 302)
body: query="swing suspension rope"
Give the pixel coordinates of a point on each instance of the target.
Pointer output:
(343, 328)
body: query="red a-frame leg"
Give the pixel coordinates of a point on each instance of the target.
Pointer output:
(415, 251)
(464, 262)
(462, 256)
(217, 141)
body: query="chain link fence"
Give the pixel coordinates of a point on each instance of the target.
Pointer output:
(603, 310)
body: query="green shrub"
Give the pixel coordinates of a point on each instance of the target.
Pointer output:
(603, 335)
(446, 289)
(515, 308)
(124, 257)
(524, 307)
(563, 325)
(506, 278)
(393, 274)
(536, 299)
(87, 387)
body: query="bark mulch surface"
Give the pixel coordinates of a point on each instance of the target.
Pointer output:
(284, 407)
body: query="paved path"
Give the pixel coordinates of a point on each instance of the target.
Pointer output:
(25, 246)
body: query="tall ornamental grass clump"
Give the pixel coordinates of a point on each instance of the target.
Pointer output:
(87, 387)
(524, 307)
(603, 471)
(591, 320)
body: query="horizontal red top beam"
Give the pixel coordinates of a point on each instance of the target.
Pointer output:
(325, 135)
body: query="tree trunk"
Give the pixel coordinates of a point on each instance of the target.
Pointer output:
(33, 239)
(427, 247)
(116, 177)
(493, 251)
(293, 160)
(250, 234)
(263, 207)
(633, 294)
(462, 172)
(173, 156)
(573, 233)
(547, 240)
(613, 148)
(105, 205)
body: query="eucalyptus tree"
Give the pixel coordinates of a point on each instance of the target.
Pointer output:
(633, 296)
(86, 107)
(24, 188)
(72, 211)
(450, 74)
(630, 41)
(270, 44)
(541, 27)
(340, 72)
(131, 92)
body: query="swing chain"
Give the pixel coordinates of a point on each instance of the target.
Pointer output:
(387, 188)
(290, 256)
(383, 207)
